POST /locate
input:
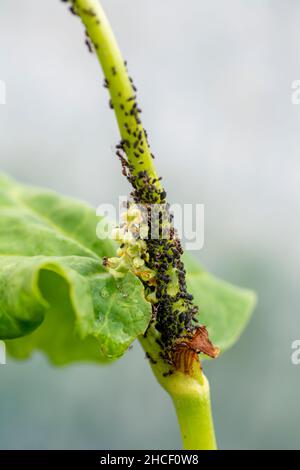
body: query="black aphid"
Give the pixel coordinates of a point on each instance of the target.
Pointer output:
(89, 45)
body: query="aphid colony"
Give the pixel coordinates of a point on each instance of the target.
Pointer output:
(155, 260)
(73, 9)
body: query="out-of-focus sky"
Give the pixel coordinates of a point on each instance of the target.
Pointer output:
(214, 82)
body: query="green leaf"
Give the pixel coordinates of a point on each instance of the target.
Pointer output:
(223, 308)
(55, 295)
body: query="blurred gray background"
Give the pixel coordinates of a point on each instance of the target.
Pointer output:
(214, 82)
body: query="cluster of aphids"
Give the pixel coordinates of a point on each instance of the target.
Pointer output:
(73, 9)
(173, 311)
(174, 314)
(133, 144)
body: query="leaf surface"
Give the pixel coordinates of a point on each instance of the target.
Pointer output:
(55, 295)
(223, 308)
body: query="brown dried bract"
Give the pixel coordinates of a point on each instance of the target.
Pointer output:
(186, 351)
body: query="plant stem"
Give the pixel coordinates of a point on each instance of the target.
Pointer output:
(189, 392)
(190, 395)
(192, 404)
(119, 84)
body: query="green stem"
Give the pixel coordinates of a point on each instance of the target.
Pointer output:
(192, 404)
(120, 86)
(190, 394)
